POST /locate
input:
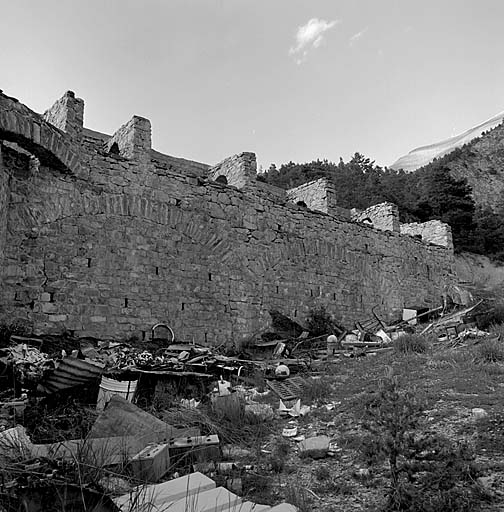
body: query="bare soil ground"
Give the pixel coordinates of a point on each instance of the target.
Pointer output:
(454, 383)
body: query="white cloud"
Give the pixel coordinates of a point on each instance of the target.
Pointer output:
(353, 40)
(310, 36)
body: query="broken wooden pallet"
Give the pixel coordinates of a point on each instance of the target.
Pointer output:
(287, 389)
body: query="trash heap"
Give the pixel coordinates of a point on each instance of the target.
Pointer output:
(143, 458)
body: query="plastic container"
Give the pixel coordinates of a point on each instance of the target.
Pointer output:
(111, 387)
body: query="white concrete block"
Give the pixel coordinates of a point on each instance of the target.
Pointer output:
(248, 506)
(214, 500)
(145, 496)
(284, 507)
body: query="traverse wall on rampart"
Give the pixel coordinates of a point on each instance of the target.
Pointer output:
(102, 236)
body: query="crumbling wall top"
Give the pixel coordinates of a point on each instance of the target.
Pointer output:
(238, 170)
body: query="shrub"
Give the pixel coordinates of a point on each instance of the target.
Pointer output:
(322, 473)
(299, 497)
(428, 472)
(320, 322)
(490, 351)
(491, 318)
(280, 451)
(316, 391)
(411, 344)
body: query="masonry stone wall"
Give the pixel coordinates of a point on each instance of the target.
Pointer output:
(124, 242)
(383, 216)
(4, 201)
(433, 232)
(318, 195)
(238, 170)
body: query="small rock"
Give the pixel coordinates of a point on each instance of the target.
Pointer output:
(314, 447)
(234, 452)
(262, 412)
(478, 413)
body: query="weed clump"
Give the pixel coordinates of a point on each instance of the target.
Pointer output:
(411, 344)
(279, 453)
(428, 472)
(299, 497)
(320, 322)
(490, 351)
(316, 391)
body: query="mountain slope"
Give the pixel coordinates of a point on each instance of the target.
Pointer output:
(423, 155)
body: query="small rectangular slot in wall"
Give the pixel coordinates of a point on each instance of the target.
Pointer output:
(125, 302)
(206, 338)
(157, 271)
(334, 296)
(295, 312)
(311, 293)
(277, 289)
(209, 276)
(183, 306)
(89, 262)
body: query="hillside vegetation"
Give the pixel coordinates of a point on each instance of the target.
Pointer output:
(432, 192)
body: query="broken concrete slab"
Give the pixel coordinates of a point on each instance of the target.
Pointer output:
(190, 450)
(122, 418)
(158, 495)
(314, 447)
(284, 507)
(98, 451)
(150, 464)
(248, 506)
(15, 444)
(213, 500)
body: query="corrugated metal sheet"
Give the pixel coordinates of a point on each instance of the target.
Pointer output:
(69, 373)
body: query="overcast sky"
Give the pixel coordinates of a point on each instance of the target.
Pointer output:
(288, 79)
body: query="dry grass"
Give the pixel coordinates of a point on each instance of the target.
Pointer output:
(490, 351)
(411, 344)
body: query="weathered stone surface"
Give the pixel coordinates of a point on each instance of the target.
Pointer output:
(314, 447)
(107, 245)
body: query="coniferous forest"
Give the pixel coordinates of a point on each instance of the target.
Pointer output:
(426, 194)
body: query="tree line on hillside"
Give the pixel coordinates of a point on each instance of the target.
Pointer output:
(427, 194)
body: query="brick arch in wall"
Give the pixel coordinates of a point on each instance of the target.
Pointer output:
(50, 145)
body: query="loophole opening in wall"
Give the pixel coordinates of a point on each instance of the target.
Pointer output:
(302, 203)
(222, 179)
(114, 149)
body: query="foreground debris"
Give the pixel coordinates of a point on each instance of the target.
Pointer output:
(136, 453)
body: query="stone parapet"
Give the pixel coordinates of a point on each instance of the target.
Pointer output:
(238, 170)
(132, 140)
(318, 195)
(431, 232)
(383, 216)
(67, 114)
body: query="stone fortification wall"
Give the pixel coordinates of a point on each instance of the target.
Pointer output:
(431, 232)
(123, 242)
(318, 195)
(383, 216)
(4, 201)
(238, 170)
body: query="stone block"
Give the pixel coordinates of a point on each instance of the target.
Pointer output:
(284, 507)
(248, 506)
(151, 463)
(314, 447)
(213, 500)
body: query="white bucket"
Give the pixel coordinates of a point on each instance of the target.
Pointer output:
(111, 387)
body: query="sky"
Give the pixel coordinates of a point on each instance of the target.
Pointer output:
(290, 80)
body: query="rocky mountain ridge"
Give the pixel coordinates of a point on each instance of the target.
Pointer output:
(480, 161)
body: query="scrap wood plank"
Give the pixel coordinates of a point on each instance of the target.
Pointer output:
(287, 389)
